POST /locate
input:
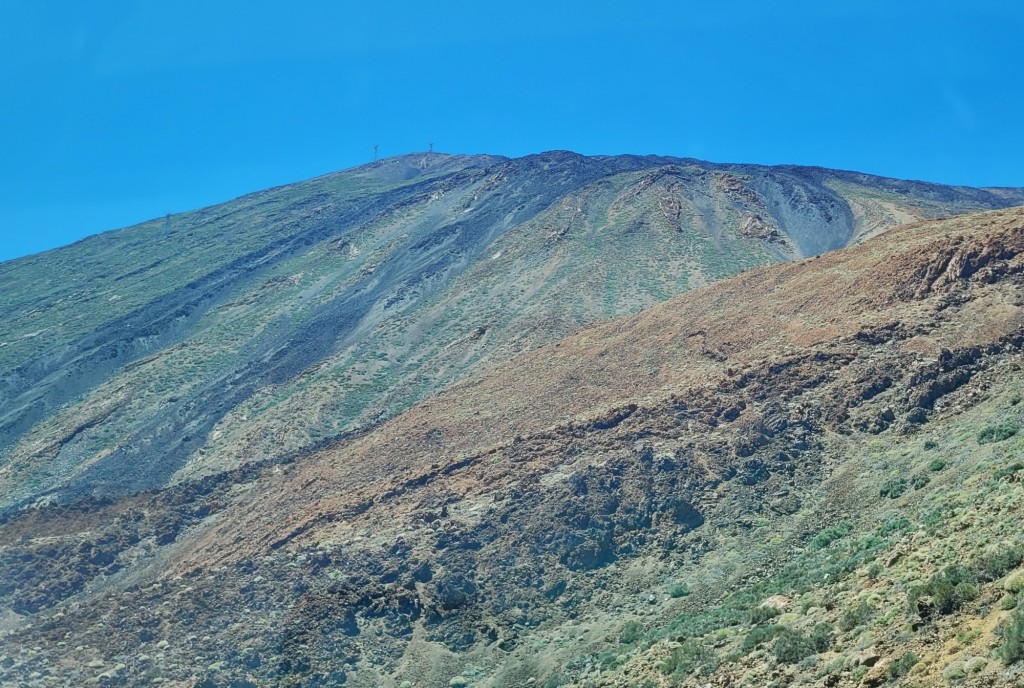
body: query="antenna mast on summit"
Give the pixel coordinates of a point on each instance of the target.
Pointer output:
(431, 147)
(375, 152)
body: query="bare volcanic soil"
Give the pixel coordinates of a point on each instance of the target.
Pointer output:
(505, 529)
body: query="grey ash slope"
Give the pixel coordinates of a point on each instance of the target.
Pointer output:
(277, 321)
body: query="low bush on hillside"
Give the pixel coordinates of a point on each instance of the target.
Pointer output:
(936, 465)
(993, 565)
(893, 488)
(902, 666)
(855, 616)
(947, 590)
(690, 657)
(1008, 471)
(678, 590)
(830, 535)
(1012, 648)
(894, 525)
(997, 433)
(792, 646)
(631, 632)
(758, 615)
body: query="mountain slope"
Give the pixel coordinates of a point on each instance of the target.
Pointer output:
(269, 325)
(829, 436)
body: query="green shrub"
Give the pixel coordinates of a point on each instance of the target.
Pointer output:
(919, 481)
(936, 465)
(1012, 649)
(934, 518)
(759, 615)
(690, 657)
(791, 646)
(556, 680)
(993, 565)
(875, 570)
(855, 616)
(760, 634)
(1008, 471)
(893, 526)
(678, 590)
(949, 590)
(931, 444)
(893, 488)
(631, 632)
(997, 433)
(830, 535)
(610, 659)
(902, 666)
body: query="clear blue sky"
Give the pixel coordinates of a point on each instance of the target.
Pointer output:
(116, 111)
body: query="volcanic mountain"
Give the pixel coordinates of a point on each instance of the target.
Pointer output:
(272, 324)
(351, 440)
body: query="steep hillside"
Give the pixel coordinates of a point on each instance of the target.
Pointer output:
(279, 322)
(807, 474)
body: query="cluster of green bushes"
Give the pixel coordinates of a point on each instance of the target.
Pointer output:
(789, 646)
(948, 589)
(956, 585)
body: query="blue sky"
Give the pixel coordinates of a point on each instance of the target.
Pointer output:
(116, 111)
